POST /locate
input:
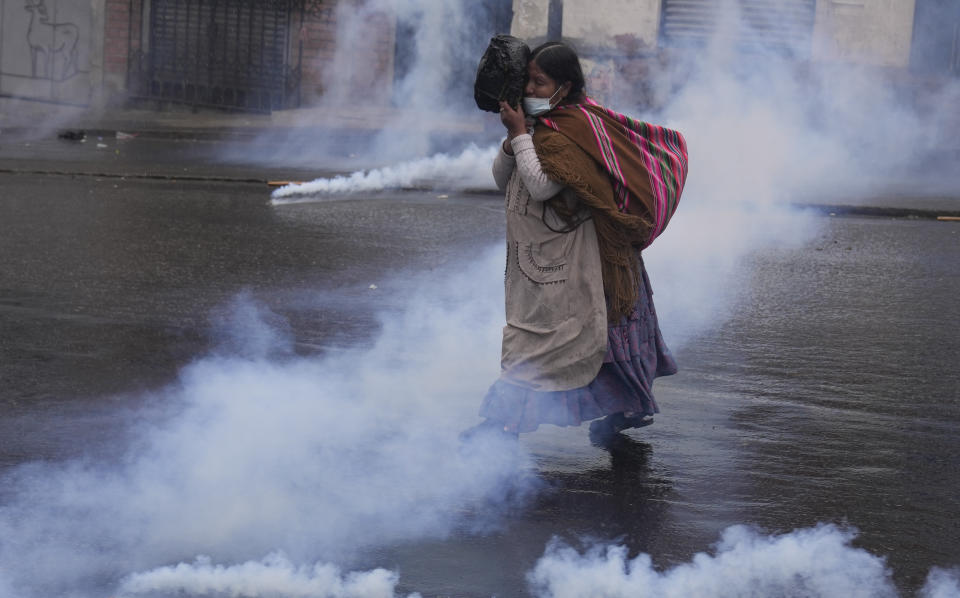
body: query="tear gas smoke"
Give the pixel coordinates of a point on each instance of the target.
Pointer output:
(247, 328)
(462, 171)
(318, 458)
(27, 119)
(415, 101)
(942, 583)
(437, 30)
(275, 575)
(763, 134)
(815, 563)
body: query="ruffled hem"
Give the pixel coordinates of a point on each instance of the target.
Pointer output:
(636, 355)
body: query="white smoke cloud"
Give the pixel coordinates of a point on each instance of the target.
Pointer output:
(751, 157)
(246, 327)
(436, 28)
(321, 458)
(392, 106)
(468, 170)
(941, 583)
(441, 28)
(30, 119)
(764, 136)
(815, 563)
(275, 575)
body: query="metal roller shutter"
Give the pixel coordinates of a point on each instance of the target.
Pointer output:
(224, 53)
(776, 24)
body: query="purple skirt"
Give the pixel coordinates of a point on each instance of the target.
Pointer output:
(636, 354)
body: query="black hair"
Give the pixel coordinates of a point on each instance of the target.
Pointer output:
(561, 63)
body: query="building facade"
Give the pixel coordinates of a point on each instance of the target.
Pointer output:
(891, 33)
(622, 42)
(263, 55)
(256, 55)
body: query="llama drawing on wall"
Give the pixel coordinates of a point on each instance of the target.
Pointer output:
(53, 46)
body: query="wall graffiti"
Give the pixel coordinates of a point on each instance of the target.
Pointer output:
(53, 46)
(45, 50)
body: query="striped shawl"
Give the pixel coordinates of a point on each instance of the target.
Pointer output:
(630, 173)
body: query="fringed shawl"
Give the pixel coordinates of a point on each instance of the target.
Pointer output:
(630, 173)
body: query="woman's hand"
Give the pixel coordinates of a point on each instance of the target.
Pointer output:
(513, 119)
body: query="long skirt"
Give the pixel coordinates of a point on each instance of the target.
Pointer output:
(636, 354)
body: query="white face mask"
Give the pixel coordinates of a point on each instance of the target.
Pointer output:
(538, 106)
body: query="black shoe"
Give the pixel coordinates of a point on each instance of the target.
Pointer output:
(603, 429)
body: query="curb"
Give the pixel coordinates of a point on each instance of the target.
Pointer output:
(824, 209)
(240, 133)
(881, 212)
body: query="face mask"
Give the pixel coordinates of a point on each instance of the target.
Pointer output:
(538, 106)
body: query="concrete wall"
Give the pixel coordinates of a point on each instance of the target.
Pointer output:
(80, 51)
(614, 38)
(622, 26)
(598, 26)
(530, 19)
(50, 49)
(876, 32)
(349, 57)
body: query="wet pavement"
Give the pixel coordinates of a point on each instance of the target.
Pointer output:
(198, 156)
(831, 394)
(125, 272)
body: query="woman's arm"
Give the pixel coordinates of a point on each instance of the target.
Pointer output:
(540, 186)
(503, 166)
(527, 163)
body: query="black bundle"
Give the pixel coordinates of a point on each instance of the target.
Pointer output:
(502, 73)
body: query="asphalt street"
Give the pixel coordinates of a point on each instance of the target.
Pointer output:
(828, 394)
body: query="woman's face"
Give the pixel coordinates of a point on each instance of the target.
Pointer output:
(539, 84)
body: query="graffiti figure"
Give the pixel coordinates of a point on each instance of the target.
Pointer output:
(48, 40)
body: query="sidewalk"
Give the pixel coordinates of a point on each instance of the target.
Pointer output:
(27, 118)
(919, 196)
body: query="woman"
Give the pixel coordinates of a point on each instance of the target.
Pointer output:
(586, 190)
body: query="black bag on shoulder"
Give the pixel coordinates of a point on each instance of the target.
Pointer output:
(502, 73)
